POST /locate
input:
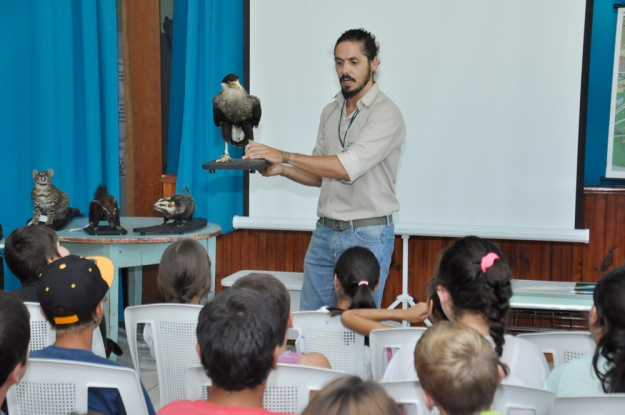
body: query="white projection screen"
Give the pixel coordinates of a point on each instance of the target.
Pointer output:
(490, 91)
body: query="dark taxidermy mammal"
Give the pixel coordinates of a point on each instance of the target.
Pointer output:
(103, 207)
(47, 198)
(179, 207)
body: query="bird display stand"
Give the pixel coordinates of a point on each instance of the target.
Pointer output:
(105, 230)
(172, 227)
(58, 224)
(236, 164)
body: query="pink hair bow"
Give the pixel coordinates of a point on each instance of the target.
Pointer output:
(488, 260)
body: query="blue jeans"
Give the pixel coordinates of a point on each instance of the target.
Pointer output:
(327, 245)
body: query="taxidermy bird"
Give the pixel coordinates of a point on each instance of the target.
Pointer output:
(236, 112)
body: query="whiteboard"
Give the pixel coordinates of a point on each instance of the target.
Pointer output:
(490, 92)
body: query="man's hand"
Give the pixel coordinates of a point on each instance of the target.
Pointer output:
(273, 170)
(255, 151)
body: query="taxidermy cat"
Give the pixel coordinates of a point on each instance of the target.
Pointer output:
(103, 207)
(179, 207)
(47, 198)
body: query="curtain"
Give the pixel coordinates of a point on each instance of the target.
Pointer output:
(58, 102)
(207, 45)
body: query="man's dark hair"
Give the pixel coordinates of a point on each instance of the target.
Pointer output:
(370, 47)
(273, 289)
(237, 333)
(27, 250)
(14, 333)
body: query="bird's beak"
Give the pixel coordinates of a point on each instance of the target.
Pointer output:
(235, 84)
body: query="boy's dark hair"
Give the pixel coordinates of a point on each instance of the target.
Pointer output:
(28, 249)
(237, 333)
(273, 289)
(184, 272)
(358, 272)
(14, 333)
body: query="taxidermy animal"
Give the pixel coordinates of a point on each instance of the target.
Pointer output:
(47, 198)
(236, 112)
(103, 207)
(179, 207)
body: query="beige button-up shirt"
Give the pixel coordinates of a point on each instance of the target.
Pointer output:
(370, 157)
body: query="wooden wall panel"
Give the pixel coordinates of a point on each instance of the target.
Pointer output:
(604, 215)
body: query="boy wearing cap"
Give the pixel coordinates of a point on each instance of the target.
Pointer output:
(71, 291)
(27, 251)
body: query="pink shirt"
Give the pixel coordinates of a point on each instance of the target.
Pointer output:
(207, 408)
(290, 357)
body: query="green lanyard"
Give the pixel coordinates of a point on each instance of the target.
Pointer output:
(349, 125)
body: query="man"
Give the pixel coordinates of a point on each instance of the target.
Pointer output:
(239, 335)
(14, 338)
(355, 164)
(71, 294)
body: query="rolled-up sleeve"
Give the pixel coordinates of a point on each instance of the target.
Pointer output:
(384, 132)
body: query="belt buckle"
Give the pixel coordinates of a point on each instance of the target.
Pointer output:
(336, 225)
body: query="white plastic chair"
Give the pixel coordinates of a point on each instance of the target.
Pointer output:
(318, 332)
(407, 392)
(511, 400)
(563, 345)
(174, 330)
(610, 404)
(61, 387)
(288, 387)
(382, 339)
(43, 335)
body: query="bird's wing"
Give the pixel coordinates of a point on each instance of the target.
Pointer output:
(256, 110)
(217, 114)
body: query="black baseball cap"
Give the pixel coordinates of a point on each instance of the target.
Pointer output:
(76, 284)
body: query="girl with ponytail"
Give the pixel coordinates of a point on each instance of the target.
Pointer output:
(184, 276)
(473, 286)
(356, 276)
(604, 371)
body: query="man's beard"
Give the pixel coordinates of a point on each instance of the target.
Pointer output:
(352, 93)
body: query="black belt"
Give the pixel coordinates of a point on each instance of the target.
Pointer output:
(341, 225)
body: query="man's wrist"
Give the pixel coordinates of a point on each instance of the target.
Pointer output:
(286, 157)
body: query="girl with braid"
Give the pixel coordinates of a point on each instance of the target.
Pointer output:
(604, 371)
(472, 286)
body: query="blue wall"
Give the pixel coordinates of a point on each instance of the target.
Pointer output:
(600, 88)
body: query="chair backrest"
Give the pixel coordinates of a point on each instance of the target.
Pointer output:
(407, 392)
(609, 404)
(510, 400)
(318, 332)
(61, 387)
(173, 328)
(288, 387)
(383, 339)
(563, 345)
(43, 335)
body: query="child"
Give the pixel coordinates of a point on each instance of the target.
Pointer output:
(457, 368)
(14, 339)
(351, 395)
(472, 286)
(276, 292)
(71, 291)
(239, 336)
(184, 276)
(604, 371)
(27, 251)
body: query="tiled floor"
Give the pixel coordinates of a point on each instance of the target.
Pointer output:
(147, 365)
